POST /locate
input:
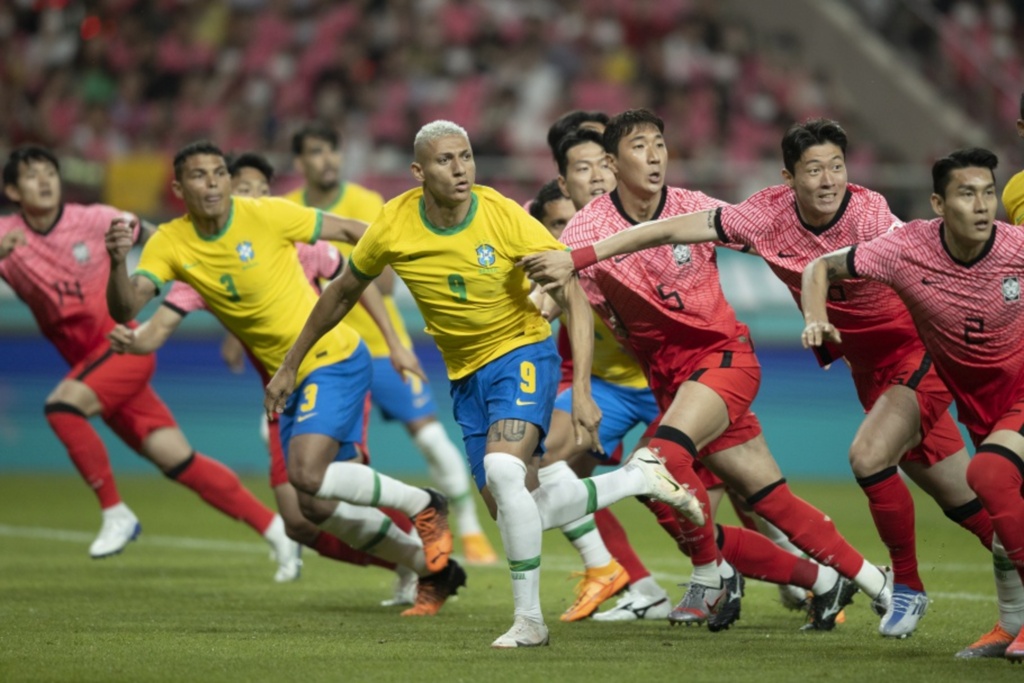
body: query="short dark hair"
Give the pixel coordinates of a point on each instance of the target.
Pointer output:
(621, 125)
(548, 192)
(194, 149)
(574, 139)
(251, 160)
(569, 122)
(970, 157)
(802, 136)
(23, 155)
(316, 129)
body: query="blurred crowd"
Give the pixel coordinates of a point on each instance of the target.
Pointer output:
(109, 80)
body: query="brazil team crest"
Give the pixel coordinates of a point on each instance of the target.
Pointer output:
(245, 251)
(485, 255)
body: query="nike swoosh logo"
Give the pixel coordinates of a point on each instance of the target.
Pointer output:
(784, 254)
(926, 281)
(189, 266)
(303, 418)
(620, 259)
(712, 605)
(520, 402)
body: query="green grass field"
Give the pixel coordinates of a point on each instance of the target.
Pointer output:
(193, 600)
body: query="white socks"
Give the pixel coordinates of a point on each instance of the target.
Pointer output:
(869, 579)
(356, 483)
(449, 472)
(582, 533)
(1009, 590)
(568, 499)
(370, 530)
(520, 527)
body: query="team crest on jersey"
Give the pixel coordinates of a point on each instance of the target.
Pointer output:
(681, 253)
(1011, 289)
(245, 251)
(485, 255)
(81, 252)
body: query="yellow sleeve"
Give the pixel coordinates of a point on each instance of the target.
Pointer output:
(1013, 199)
(296, 223)
(156, 262)
(371, 253)
(527, 235)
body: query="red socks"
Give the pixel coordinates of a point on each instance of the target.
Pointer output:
(808, 528)
(333, 548)
(756, 556)
(973, 517)
(86, 450)
(995, 474)
(892, 508)
(617, 542)
(221, 488)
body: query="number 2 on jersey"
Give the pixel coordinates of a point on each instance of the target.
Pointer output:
(229, 284)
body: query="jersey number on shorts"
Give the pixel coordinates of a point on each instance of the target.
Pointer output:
(309, 398)
(458, 287)
(528, 372)
(229, 284)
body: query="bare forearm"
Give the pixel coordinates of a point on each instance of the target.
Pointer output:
(337, 229)
(373, 301)
(688, 228)
(121, 299)
(581, 333)
(814, 290)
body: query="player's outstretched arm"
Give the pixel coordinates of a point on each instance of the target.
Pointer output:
(338, 229)
(337, 300)
(586, 416)
(147, 337)
(403, 359)
(10, 242)
(817, 276)
(125, 296)
(556, 267)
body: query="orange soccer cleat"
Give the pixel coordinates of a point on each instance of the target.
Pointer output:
(432, 525)
(478, 551)
(992, 644)
(597, 585)
(433, 590)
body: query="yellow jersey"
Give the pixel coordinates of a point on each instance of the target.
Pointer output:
(357, 202)
(612, 362)
(250, 277)
(1013, 199)
(474, 300)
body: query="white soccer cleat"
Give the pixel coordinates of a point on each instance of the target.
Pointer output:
(883, 602)
(662, 485)
(284, 551)
(406, 584)
(906, 609)
(120, 527)
(794, 598)
(634, 606)
(524, 633)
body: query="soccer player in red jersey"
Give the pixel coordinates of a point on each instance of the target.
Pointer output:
(908, 426)
(52, 255)
(667, 304)
(959, 277)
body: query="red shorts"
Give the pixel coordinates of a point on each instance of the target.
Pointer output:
(1012, 420)
(131, 408)
(940, 436)
(278, 467)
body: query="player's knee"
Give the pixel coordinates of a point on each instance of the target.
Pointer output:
(868, 456)
(300, 530)
(993, 468)
(305, 477)
(505, 474)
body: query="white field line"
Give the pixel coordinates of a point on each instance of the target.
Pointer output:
(555, 566)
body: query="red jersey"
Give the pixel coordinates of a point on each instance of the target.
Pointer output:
(969, 315)
(62, 276)
(665, 303)
(876, 327)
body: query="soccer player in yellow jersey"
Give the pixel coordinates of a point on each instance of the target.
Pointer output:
(1013, 193)
(318, 156)
(455, 244)
(239, 255)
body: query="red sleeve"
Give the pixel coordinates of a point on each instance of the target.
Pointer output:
(182, 299)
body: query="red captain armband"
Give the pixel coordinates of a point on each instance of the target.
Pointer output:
(583, 257)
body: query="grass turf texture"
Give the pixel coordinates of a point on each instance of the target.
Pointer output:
(193, 599)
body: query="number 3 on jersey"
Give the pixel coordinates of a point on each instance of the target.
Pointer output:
(229, 284)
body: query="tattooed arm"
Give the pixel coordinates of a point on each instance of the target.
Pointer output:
(818, 275)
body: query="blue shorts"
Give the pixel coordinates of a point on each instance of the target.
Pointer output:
(330, 401)
(403, 399)
(521, 385)
(622, 408)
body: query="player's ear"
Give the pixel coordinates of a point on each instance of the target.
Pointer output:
(787, 177)
(176, 188)
(417, 171)
(12, 193)
(563, 187)
(939, 205)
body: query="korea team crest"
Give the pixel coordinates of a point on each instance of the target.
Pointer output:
(485, 255)
(245, 251)
(681, 253)
(81, 253)
(1011, 289)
